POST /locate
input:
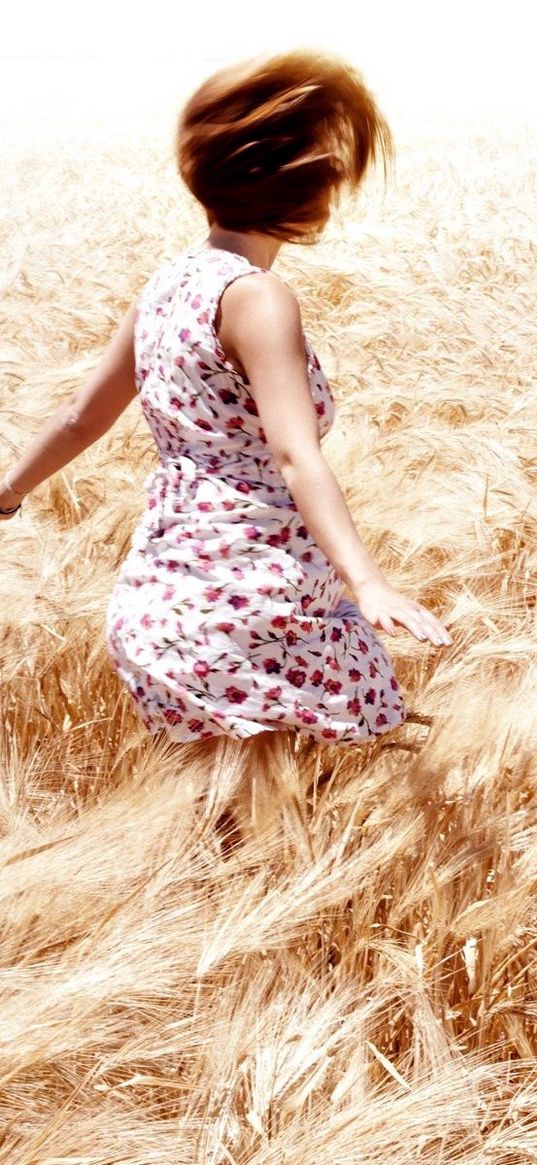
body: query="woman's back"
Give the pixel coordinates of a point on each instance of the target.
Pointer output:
(195, 401)
(226, 615)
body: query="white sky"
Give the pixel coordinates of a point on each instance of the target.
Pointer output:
(425, 55)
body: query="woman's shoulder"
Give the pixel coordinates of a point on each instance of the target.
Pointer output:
(260, 310)
(264, 288)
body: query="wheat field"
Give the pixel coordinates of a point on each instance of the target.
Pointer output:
(312, 955)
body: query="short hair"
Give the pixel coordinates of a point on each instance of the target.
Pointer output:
(266, 146)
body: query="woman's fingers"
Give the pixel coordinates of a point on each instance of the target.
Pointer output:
(436, 627)
(424, 625)
(387, 624)
(417, 619)
(429, 628)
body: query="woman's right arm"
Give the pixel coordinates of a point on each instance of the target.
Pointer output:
(260, 330)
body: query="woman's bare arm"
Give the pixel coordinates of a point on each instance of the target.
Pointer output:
(79, 421)
(260, 327)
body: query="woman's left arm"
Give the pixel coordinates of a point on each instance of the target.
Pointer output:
(79, 421)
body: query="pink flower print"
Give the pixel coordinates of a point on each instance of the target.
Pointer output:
(284, 535)
(238, 601)
(238, 571)
(204, 425)
(381, 719)
(227, 628)
(307, 716)
(172, 716)
(335, 634)
(236, 695)
(274, 540)
(203, 317)
(234, 423)
(251, 407)
(179, 361)
(329, 733)
(394, 684)
(152, 503)
(118, 624)
(296, 676)
(274, 693)
(291, 638)
(320, 409)
(316, 678)
(244, 487)
(332, 663)
(146, 620)
(370, 696)
(306, 557)
(264, 589)
(278, 621)
(354, 674)
(276, 568)
(212, 594)
(195, 725)
(363, 646)
(271, 666)
(354, 706)
(302, 532)
(227, 396)
(168, 593)
(333, 686)
(373, 669)
(196, 302)
(205, 507)
(307, 625)
(184, 335)
(228, 504)
(201, 668)
(252, 531)
(261, 434)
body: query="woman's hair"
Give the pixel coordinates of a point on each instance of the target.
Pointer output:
(267, 145)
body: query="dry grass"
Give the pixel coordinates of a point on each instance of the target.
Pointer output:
(353, 975)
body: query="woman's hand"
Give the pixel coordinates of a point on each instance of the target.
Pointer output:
(8, 500)
(382, 605)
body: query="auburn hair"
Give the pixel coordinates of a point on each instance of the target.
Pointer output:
(266, 145)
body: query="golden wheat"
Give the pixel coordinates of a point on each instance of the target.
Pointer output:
(256, 953)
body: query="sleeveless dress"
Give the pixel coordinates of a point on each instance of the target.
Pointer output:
(225, 616)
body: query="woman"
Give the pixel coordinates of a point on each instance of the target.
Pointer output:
(229, 613)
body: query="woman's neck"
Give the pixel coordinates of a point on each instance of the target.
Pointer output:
(259, 249)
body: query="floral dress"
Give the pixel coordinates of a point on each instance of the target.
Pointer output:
(226, 617)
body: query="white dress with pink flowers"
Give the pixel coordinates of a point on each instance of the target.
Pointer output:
(226, 617)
